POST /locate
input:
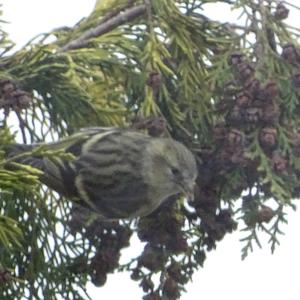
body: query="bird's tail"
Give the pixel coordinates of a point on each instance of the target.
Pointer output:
(18, 153)
(57, 172)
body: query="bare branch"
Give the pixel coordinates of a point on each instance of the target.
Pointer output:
(112, 13)
(121, 18)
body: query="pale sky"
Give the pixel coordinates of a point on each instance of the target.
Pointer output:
(224, 276)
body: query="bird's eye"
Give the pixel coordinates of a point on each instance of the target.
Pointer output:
(175, 171)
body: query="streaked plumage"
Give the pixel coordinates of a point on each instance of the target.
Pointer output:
(118, 173)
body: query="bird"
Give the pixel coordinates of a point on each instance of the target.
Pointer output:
(116, 172)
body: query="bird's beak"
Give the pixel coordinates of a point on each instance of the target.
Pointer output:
(188, 191)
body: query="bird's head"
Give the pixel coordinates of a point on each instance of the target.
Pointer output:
(171, 168)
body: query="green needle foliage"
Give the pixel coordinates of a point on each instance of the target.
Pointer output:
(228, 91)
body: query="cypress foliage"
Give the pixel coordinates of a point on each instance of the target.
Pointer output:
(229, 91)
